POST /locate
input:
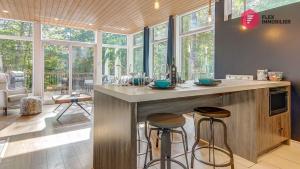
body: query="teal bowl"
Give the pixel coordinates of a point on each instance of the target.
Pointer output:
(206, 81)
(162, 83)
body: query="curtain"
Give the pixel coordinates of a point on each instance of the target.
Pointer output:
(170, 52)
(146, 51)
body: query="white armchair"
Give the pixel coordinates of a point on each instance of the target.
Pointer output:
(8, 97)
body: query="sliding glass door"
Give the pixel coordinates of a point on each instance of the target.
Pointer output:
(67, 69)
(56, 70)
(82, 69)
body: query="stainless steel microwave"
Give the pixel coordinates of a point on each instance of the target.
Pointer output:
(278, 101)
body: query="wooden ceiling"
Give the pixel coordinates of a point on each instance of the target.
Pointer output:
(120, 16)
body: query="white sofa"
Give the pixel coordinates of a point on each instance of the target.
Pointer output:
(8, 97)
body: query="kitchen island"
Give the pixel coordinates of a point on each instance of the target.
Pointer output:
(251, 131)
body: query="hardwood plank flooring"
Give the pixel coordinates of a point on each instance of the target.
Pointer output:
(39, 142)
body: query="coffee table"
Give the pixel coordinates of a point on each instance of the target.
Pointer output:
(70, 99)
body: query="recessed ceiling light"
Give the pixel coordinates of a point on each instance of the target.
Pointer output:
(56, 19)
(5, 11)
(90, 24)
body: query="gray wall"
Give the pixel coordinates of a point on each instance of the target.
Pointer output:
(275, 47)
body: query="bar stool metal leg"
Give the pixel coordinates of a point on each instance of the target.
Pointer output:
(165, 158)
(225, 142)
(139, 138)
(149, 146)
(197, 140)
(212, 145)
(185, 138)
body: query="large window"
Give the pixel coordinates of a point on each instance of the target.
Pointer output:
(16, 52)
(68, 60)
(69, 34)
(257, 5)
(114, 54)
(197, 44)
(82, 68)
(159, 45)
(138, 49)
(56, 70)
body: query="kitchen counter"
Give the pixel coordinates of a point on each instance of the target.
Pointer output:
(251, 131)
(140, 94)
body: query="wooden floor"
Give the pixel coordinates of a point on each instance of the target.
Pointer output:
(40, 142)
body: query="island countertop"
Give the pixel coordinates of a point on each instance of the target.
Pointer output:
(140, 94)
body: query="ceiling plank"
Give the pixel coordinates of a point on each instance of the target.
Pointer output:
(120, 16)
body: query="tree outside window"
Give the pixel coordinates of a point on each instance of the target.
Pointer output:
(197, 44)
(16, 55)
(138, 52)
(114, 54)
(159, 44)
(257, 5)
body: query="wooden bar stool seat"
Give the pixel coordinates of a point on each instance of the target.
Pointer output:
(166, 120)
(212, 112)
(167, 123)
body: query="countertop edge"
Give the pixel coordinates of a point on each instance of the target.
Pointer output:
(191, 93)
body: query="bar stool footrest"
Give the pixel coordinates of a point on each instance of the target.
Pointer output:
(211, 164)
(171, 159)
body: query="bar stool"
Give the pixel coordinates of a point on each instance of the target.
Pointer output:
(212, 115)
(167, 123)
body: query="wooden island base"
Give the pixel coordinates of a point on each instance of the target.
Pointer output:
(251, 131)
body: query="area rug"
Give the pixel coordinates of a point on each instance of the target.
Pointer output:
(73, 117)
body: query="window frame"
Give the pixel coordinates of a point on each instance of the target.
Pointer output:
(153, 42)
(68, 40)
(116, 47)
(246, 7)
(134, 46)
(180, 34)
(23, 38)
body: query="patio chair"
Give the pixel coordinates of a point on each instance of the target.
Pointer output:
(8, 97)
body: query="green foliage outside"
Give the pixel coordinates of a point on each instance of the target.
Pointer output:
(197, 49)
(57, 56)
(138, 52)
(56, 65)
(114, 39)
(114, 57)
(257, 5)
(160, 32)
(160, 35)
(65, 33)
(109, 60)
(195, 20)
(198, 56)
(138, 39)
(15, 28)
(16, 55)
(138, 59)
(159, 58)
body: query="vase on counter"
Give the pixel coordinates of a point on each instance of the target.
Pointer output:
(262, 74)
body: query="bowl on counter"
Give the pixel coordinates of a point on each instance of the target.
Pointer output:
(162, 83)
(275, 76)
(206, 81)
